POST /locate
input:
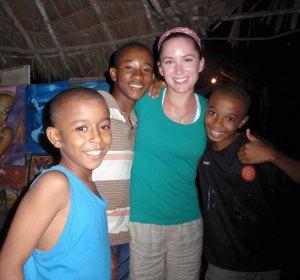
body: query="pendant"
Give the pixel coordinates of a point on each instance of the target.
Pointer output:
(181, 121)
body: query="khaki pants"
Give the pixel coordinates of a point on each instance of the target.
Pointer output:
(166, 252)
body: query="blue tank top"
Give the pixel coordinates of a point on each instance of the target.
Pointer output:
(82, 251)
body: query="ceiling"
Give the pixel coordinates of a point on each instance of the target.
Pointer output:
(63, 39)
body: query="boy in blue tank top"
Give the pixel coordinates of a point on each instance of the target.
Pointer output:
(60, 228)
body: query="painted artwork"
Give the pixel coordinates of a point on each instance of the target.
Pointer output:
(12, 185)
(96, 85)
(37, 96)
(12, 125)
(38, 164)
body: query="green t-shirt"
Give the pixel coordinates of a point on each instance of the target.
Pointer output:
(162, 187)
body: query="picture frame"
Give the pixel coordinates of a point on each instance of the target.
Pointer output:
(37, 164)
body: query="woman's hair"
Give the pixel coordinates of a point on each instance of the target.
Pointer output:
(180, 32)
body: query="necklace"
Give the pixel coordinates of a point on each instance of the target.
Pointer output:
(182, 116)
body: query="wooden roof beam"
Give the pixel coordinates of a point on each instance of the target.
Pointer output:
(44, 14)
(101, 18)
(148, 13)
(156, 5)
(233, 17)
(3, 60)
(178, 12)
(83, 47)
(20, 27)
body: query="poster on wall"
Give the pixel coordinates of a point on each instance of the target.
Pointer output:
(38, 164)
(12, 125)
(36, 98)
(96, 85)
(12, 185)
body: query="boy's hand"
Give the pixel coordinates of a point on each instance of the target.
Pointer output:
(156, 87)
(254, 152)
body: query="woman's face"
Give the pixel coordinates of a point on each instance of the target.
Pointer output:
(180, 64)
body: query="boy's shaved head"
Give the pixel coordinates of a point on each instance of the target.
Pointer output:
(235, 91)
(76, 94)
(127, 46)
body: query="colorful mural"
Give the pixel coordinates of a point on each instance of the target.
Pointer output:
(31, 101)
(37, 97)
(13, 181)
(12, 127)
(38, 164)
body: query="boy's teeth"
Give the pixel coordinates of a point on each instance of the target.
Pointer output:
(136, 86)
(94, 153)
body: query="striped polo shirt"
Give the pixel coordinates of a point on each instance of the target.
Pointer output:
(112, 176)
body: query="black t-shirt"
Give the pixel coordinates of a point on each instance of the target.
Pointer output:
(240, 205)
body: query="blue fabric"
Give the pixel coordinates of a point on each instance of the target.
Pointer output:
(123, 255)
(82, 251)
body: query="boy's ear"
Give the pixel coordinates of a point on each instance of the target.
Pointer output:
(113, 73)
(54, 137)
(244, 121)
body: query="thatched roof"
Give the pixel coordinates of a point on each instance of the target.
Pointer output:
(61, 39)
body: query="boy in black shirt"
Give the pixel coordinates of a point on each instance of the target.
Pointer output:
(239, 178)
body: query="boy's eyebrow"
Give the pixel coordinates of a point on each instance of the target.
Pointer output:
(74, 122)
(209, 106)
(130, 60)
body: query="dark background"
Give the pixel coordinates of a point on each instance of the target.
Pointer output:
(270, 71)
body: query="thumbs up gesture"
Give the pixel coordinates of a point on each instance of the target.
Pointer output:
(254, 152)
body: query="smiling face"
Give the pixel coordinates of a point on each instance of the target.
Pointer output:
(132, 75)
(224, 115)
(180, 64)
(82, 133)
